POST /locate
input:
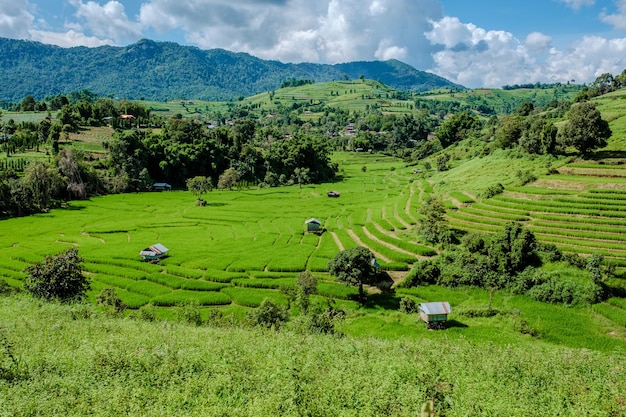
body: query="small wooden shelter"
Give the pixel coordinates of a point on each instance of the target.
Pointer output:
(434, 314)
(154, 252)
(161, 186)
(313, 225)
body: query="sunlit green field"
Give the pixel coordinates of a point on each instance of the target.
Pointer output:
(245, 244)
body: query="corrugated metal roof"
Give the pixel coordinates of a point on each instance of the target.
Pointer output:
(313, 220)
(154, 250)
(439, 307)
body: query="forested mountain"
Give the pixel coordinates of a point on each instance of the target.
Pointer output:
(166, 70)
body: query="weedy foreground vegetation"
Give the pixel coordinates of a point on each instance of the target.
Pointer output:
(76, 360)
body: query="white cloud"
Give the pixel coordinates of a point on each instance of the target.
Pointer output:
(68, 39)
(538, 42)
(474, 57)
(299, 30)
(107, 21)
(15, 20)
(617, 20)
(578, 4)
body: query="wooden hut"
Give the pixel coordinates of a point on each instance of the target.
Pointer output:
(434, 314)
(161, 186)
(313, 225)
(154, 252)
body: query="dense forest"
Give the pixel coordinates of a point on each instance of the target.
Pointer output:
(165, 70)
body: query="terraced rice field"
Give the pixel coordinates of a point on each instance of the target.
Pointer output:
(582, 209)
(237, 250)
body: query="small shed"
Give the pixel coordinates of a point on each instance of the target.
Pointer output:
(313, 225)
(434, 314)
(154, 252)
(161, 186)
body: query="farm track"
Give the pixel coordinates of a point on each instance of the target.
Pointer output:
(360, 243)
(407, 206)
(389, 245)
(337, 241)
(400, 219)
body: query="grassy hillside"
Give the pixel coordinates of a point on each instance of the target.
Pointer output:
(246, 244)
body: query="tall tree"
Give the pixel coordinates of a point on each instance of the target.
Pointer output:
(199, 185)
(354, 266)
(585, 129)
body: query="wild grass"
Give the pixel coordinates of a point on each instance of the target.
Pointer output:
(154, 369)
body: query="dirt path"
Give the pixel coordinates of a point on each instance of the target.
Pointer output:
(407, 207)
(88, 235)
(360, 243)
(400, 219)
(389, 245)
(337, 241)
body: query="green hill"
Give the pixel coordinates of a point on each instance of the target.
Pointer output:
(163, 70)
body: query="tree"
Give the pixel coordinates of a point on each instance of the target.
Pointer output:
(306, 284)
(301, 176)
(199, 185)
(228, 179)
(585, 129)
(432, 225)
(58, 277)
(354, 266)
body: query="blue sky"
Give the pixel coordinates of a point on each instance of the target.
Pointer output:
(477, 43)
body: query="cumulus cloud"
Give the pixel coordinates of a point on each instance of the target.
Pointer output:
(68, 39)
(475, 57)
(15, 20)
(617, 20)
(538, 42)
(298, 30)
(578, 4)
(107, 21)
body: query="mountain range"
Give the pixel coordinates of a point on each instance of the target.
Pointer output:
(167, 70)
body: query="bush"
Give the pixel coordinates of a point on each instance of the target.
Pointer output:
(110, 300)
(58, 277)
(268, 315)
(493, 190)
(190, 314)
(408, 305)
(526, 177)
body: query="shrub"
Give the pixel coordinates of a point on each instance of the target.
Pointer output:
(493, 190)
(408, 305)
(109, 299)
(190, 314)
(58, 277)
(268, 315)
(526, 177)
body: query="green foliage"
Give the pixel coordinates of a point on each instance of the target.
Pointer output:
(585, 129)
(432, 223)
(58, 277)
(109, 299)
(268, 315)
(199, 185)
(457, 127)
(354, 266)
(493, 190)
(408, 305)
